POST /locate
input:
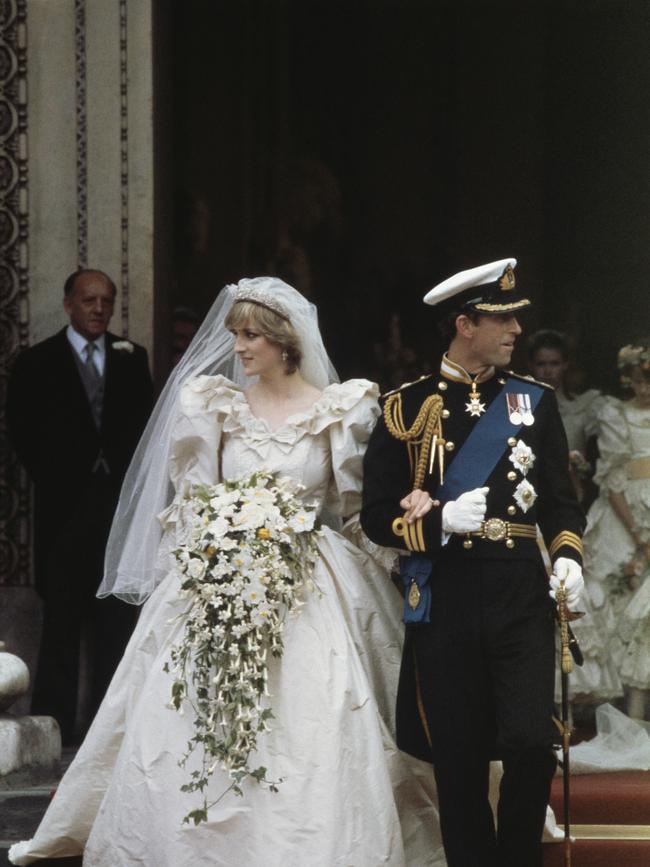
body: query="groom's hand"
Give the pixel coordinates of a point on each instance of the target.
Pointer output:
(417, 504)
(465, 514)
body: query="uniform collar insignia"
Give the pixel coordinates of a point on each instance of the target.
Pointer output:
(450, 370)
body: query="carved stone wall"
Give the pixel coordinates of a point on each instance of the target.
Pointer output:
(14, 276)
(76, 76)
(91, 156)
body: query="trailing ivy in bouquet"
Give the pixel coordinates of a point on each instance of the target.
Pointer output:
(250, 550)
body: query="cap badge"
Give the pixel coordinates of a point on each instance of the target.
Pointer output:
(507, 280)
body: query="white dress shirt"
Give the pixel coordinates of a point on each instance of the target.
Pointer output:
(78, 343)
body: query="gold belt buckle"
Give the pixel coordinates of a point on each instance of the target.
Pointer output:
(495, 529)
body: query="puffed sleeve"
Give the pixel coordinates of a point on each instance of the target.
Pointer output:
(593, 404)
(349, 433)
(349, 436)
(194, 456)
(613, 447)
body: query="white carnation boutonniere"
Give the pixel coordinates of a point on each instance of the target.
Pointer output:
(123, 346)
(522, 457)
(525, 495)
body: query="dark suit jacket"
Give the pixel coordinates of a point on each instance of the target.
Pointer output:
(53, 433)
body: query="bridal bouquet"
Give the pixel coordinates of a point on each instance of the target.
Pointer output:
(250, 548)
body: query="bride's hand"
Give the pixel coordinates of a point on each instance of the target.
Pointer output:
(417, 504)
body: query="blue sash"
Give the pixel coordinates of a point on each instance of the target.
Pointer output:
(483, 448)
(472, 466)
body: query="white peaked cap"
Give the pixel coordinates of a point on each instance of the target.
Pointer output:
(487, 289)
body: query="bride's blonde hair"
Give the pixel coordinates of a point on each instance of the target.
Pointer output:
(276, 328)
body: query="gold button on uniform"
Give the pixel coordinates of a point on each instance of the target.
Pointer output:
(512, 441)
(468, 544)
(501, 381)
(449, 446)
(512, 510)
(442, 386)
(510, 543)
(445, 413)
(512, 475)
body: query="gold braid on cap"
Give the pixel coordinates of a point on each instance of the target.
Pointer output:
(423, 433)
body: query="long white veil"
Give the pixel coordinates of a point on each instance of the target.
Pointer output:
(131, 570)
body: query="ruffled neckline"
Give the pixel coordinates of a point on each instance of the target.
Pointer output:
(216, 393)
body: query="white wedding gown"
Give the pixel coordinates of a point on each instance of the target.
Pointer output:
(349, 798)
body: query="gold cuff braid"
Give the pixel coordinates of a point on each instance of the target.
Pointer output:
(565, 538)
(423, 432)
(411, 533)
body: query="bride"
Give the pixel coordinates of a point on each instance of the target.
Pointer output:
(348, 797)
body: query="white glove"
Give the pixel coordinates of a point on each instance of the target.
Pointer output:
(465, 514)
(571, 572)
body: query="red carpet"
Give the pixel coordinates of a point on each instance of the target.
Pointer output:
(605, 810)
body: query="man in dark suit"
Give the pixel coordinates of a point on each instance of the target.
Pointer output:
(77, 404)
(460, 470)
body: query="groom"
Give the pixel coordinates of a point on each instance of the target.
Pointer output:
(460, 469)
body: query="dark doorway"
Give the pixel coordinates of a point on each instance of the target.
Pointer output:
(366, 149)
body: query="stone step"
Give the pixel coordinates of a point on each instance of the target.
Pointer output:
(24, 798)
(46, 862)
(610, 818)
(606, 799)
(600, 853)
(21, 810)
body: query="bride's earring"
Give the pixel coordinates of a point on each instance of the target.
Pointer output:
(285, 355)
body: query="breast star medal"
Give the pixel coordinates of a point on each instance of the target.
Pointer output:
(474, 407)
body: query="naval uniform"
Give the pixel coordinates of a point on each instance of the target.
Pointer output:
(477, 679)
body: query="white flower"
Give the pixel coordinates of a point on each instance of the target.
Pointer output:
(261, 496)
(183, 556)
(302, 521)
(219, 527)
(196, 567)
(254, 594)
(224, 499)
(261, 615)
(243, 559)
(250, 516)
(123, 346)
(525, 495)
(522, 457)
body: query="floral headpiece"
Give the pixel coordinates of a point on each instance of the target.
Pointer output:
(633, 356)
(259, 296)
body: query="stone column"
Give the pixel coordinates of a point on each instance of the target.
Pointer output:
(91, 156)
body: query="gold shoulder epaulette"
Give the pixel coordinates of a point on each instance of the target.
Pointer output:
(529, 378)
(406, 385)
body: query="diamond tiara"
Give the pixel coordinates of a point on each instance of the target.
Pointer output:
(259, 296)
